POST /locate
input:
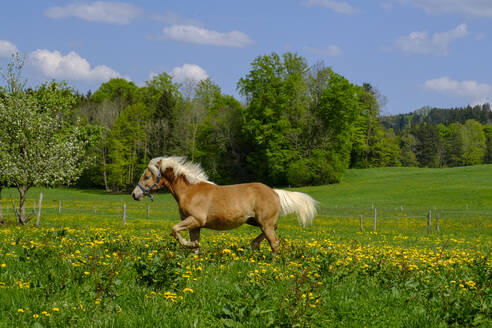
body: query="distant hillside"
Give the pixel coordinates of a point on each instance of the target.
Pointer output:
(446, 116)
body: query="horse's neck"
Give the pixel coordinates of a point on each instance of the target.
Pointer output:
(177, 187)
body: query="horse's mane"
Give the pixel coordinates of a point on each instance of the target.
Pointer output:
(191, 171)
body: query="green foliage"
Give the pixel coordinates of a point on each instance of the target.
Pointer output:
(488, 134)
(275, 89)
(117, 89)
(474, 146)
(315, 170)
(127, 137)
(408, 146)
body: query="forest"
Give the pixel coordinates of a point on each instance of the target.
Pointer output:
(295, 124)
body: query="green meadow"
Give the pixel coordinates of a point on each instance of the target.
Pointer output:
(83, 268)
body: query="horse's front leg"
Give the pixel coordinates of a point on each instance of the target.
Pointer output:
(190, 223)
(195, 237)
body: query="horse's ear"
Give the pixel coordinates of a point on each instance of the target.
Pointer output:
(155, 169)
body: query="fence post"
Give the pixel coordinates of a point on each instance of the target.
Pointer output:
(429, 221)
(361, 227)
(375, 218)
(437, 222)
(124, 214)
(59, 207)
(148, 211)
(39, 208)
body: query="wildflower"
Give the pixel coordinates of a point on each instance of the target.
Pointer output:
(187, 290)
(20, 310)
(35, 315)
(86, 272)
(55, 309)
(3, 265)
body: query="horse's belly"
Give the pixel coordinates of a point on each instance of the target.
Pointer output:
(227, 221)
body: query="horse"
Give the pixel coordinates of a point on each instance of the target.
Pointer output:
(203, 204)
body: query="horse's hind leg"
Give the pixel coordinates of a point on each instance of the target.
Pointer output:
(190, 223)
(255, 244)
(270, 235)
(195, 236)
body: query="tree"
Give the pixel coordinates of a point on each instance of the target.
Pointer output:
(38, 146)
(275, 91)
(427, 146)
(35, 150)
(488, 134)
(127, 145)
(474, 147)
(220, 146)
(408, 146)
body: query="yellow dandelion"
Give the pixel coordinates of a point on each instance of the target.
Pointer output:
(87, 272)
(3, 265)
(35, 316)
(20, 310)
(187, 290)
(55, 309)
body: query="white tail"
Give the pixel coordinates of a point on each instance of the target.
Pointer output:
(303, 205)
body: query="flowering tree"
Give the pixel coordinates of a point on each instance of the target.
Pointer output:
(38, 146)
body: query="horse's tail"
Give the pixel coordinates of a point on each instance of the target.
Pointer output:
(303, 205)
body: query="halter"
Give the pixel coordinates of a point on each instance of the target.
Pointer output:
(147, 191)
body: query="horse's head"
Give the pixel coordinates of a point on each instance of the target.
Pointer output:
(149, 181)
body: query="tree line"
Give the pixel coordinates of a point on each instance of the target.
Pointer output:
(438, 137)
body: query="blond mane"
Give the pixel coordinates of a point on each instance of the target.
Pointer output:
(191, 171)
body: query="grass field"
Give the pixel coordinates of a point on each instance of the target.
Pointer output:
(84, 268)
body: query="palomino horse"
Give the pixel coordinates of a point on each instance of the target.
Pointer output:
(203, 204)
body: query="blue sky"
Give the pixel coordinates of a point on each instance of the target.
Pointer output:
(415, 52)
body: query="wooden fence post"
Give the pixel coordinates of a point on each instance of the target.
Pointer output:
(429, 221)
(361, 227)
(124, 214)
(375, 218)
(59, 207)
(437, 222)
(39, 208)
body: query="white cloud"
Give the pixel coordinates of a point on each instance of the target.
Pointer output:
(422, 43)
(330, 51)
(188, 72)
(337, 6)
(469, 8)
(7, 48)
(472, 90)
(70, 67)
(108, 12)
(198, 35)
